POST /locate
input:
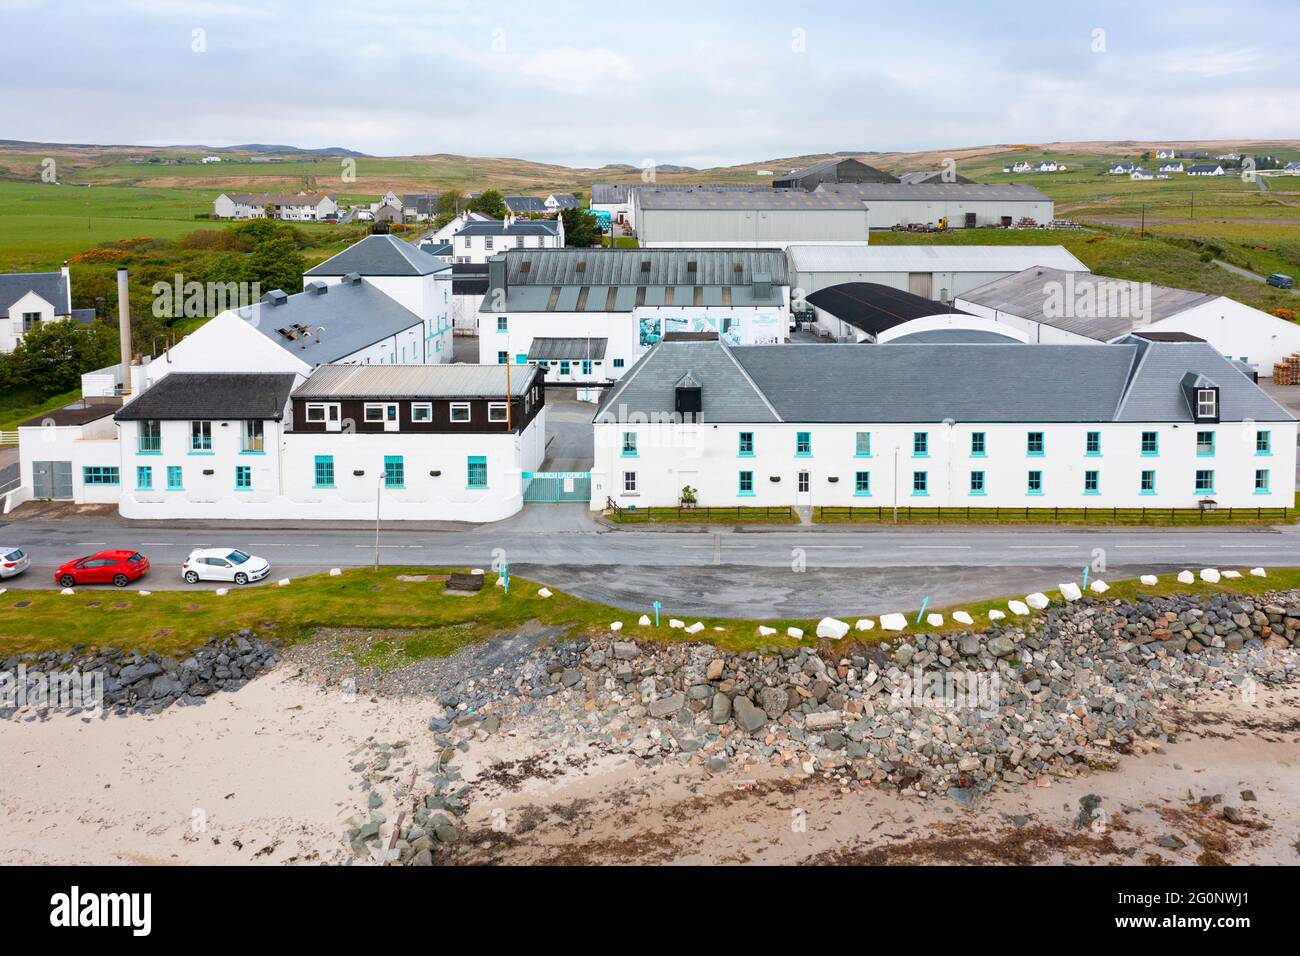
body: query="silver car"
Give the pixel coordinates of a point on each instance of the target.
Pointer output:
(13, 561)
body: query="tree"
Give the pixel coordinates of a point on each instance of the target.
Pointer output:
(580, 230)
(52, 357)
(277, 265)
(490, 203)
(450, 205)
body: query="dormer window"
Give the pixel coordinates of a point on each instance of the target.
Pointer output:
(1207, 403)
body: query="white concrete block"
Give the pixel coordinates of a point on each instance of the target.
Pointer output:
(501, 581)
(695, 628)
(1210, 575)
(478, 571)
(996, 615)
(70, 591)
(1150, 580)
(1099, 586)
(1037, 600)
(674, 623)
(795, 632)
(765, 631)
(1018, 608)
(616, 625)
(335, 572)
(1257, 572)
(644, 620)
(1231, 575)
(934, 620)
(864, 624)
(1186, 577)
(222, 592)
(1070, 591)
(144, 593)
(893, 622)
(962, 617)
(832, 628)
(543, 592)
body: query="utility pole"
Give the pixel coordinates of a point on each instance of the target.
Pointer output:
(508, 408)
(1143, 230)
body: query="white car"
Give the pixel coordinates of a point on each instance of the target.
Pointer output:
(224, 564)
(13, 561)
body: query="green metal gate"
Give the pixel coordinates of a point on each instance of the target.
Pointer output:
(557, 486)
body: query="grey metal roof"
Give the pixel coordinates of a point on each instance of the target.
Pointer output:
(826, 165)
(48, 285)
(520, 227)
(416, 381)
(727, 393)
(954, 337)
(643, 267)
(212, 395)
(933, 192)
(556, 349)
(921, 177)
(610, 193)
(423, 203)
(1102, 308)
(927, 257)
(744, 199)
(1129, 381)
(348, 316)
(379, 256)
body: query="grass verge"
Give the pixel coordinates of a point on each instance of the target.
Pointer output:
(438, 623)
(704, 516)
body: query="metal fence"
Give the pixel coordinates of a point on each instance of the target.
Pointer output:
(557, 486)
(1159, 516)
(695, 513)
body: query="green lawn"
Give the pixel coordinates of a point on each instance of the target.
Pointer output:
(176, 621)
(704, 516)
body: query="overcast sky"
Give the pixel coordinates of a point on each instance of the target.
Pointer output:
(700, 83)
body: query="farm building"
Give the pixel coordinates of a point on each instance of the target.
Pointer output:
(588, 314)
(756, 218)
(933, 271)
(964, 204)
(832, 171)
(1067, 307)
(617, 198)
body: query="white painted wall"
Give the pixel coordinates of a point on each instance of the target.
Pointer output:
(935, 322)
(92, 444)
(706, 457)
(11, 328)
(478, 249)
(1238, 331)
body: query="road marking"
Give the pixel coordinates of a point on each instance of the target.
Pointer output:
(157, 544)
(709, 547)
(89, 544)
(1245, 547)
(1140, 547)
(1043, 547)
(946, 547)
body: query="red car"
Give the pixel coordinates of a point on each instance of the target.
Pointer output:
(119, 568)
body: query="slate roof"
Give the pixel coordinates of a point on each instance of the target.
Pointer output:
(1032, 293)
(523, 204)
(520, 227)
(212, 395)
(1136, 380)
(78, 413)
(350, 315)
(565, 200)
(379, 256)
(416, 381)
(875, 308)
(424, 204)
(48, 285)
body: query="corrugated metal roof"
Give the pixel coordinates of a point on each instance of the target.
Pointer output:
(643, 267)
(933, 192)
(545, 349)
(861, 257)
(746, 199)
(416, 381)
(1101, 307)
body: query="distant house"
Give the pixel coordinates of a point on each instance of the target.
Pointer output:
(1140, 173)
(1206, 169)
(390, 198)
(1166, 153)
(557, 201)
(30, 299)
(1122, 169)
(1229, 157)
(389, 214)
(476, 242)
(526, 206)
(210, 159)
(1021, 167)
(1046, 166)
(1171, 167)
(302, 207)
(1292, 169)
(419, 207)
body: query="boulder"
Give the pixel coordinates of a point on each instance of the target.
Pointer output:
(70, 591)
(864, 624)
(616, 625)
(1150, 580)
(996, 615)
(1257, 572)
(222, 592)
(934, 620)
(625, 650)
(667, 706)
(144, 593)
(1018, 608)
(694, 628)
(543, 592)
(644, 620)
(963, 617)
(1186, 577)
(335, 572)
(1210, 575)
(720, 712)
(1099, 587)
(893, 622)
(747, 715)
(1070, 591)
(765, 631)
(676, 624)
(795, 632)
(1037, 600)
(1232, 575)
(1000, 646)
(832, 628)
(282, 583)
(714, 670)
(827, 720)
(774, 701)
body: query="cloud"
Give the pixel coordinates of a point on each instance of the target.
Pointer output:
(1214, 63)
(577, 72)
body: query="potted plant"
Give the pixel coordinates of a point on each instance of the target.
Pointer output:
(688, 497)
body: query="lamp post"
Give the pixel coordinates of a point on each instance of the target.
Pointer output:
(379, 493)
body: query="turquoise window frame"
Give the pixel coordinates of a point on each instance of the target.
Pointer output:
(742, 479)
(564, 366)
(1199, 452)
(745, 445)
(1030, 441)
(1142, 480)
(618, 363)
(394, 471)
(200, 444)
(858, 443)
(243, 478)
(1032, 477)
(803, 444)
(628, 449)
(175, 478)
(920, 484)
(979, 439)
(1093, 477)
(144, 478)
(1155, 445)
(503, 357)
(977, 484)
(1196, 481)
(151, 445)
(862, 484)
(1092, 445)
(503, 323)
(586, 366)
(1264, 448)
(476, 473)
(323, 466)
(1265, 488)
(101, 475)
(920, 444)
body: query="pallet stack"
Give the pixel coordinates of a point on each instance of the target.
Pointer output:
(1287, 371)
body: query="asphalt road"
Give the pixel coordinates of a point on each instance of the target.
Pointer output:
(806, 568)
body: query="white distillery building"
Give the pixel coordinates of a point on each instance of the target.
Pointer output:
(966, 205)
(477, 241)
(617, 198)
(1131, 424)
(740, 218)
(30, 299)
(586, 315)
(1060, 306)
(434, 442)
(935, 272)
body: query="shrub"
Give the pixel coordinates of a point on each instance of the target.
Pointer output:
(1287, 314)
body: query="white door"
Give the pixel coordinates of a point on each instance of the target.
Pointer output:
(803, 490)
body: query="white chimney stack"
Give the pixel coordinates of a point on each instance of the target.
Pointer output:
(124, 329)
